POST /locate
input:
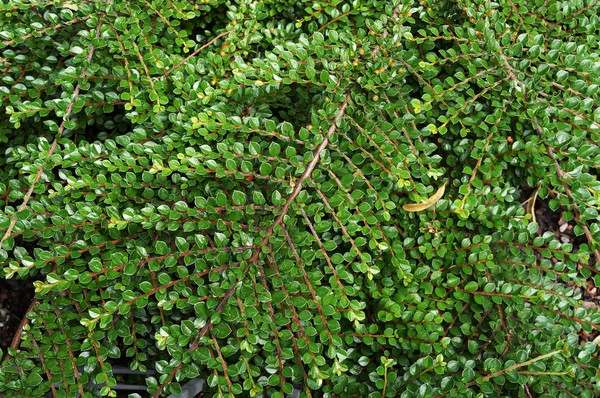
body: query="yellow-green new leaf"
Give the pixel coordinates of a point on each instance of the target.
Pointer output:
(412, 207)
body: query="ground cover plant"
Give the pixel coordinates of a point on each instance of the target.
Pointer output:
(341, 196)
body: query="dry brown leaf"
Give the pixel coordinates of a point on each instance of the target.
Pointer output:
(430, 202)
(530, 204)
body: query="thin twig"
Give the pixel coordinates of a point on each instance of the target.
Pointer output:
(197, 51)
(17, 337)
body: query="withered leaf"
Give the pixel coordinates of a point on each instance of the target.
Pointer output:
(412, 207)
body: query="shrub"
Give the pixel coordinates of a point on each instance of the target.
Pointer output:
(224, 190)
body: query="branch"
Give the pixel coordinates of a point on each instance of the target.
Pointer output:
(52, 148)
(309, 169)
(197, 51)
(517, 366)
(17, 337)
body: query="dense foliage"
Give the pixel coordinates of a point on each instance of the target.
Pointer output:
(215, 189)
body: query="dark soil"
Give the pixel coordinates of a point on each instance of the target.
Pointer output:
(15, 298)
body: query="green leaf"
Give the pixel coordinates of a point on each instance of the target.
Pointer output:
(471, 286)
(161, 247)
(324, 77)
(146, 287)
(34, 380)
(265, 169)
(274, 149)
(239, 198)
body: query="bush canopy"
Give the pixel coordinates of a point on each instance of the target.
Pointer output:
(333, 196)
